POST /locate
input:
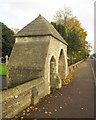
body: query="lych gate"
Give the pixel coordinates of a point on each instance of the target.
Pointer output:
(42, 53)
(37, 65)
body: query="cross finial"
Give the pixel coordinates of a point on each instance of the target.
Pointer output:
(39, 15)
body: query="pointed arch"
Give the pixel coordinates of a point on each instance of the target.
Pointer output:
(52, 72)
(61, 65)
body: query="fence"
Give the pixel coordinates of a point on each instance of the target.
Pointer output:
(73, 66)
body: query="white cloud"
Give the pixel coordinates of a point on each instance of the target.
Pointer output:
(18, 13)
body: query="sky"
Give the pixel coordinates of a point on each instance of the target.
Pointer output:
(18, 13)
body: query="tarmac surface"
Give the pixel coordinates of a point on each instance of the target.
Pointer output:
(93, 65)
(75, 100)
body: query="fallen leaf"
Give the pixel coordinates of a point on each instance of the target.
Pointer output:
(23, 114)
(36, 108)
(55, 109)
(55, 96)
(28, 110)
(65, 103)
(28, 114)
(50, 112)
(22, 118)
(60, 107)
(45, 112)
(48, 101)
(43, 108)
(30, 107)
(24, 111)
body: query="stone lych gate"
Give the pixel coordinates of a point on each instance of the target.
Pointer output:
(39, 52)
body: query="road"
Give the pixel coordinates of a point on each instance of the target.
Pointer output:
(73, 101)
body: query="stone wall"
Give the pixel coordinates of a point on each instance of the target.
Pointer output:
(14, 100)
(75, 65)
(27, 60)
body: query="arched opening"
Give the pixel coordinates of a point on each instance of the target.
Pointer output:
(52, 72)
(61, 65)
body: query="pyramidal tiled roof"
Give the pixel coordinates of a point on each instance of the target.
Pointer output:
(40, 27)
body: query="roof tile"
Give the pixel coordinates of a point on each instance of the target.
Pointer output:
(40, 27)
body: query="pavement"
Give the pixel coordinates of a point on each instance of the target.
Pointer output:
(75, 100)
(93, 66)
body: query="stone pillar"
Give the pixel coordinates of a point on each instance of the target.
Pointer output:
(6, 59)
(0, 60)
(34, 98)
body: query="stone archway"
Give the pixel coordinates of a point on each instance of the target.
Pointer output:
(52, 72)
(61, 65)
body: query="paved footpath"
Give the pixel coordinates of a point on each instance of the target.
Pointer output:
(76, 100)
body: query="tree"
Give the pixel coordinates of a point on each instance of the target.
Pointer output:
(62, 16)
(71, 30)
(60, 28)
(15, 30)
(7, 40)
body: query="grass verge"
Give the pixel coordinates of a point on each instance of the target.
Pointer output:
(3, 69)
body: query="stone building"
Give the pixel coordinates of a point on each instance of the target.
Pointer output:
(39, 52)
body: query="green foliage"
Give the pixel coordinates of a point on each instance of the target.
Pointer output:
(60, 28)
(7, 40)
(71, 30)
(3, 69)
(74, 44)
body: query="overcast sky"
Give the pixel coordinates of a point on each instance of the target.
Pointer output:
(18, 13)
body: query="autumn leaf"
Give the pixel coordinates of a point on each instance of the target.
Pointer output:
(22, 118)
(50, 112)
(43, 108)
(48, 101)
(82, 108)
(60, 107)
(23, 114)
(36, 108)
(55, 110)
(46, 112)
(31, 107)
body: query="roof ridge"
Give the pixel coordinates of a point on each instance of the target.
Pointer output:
(25, 26)
(52, 28)
(40, 27)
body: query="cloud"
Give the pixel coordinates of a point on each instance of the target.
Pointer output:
(18, 13)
